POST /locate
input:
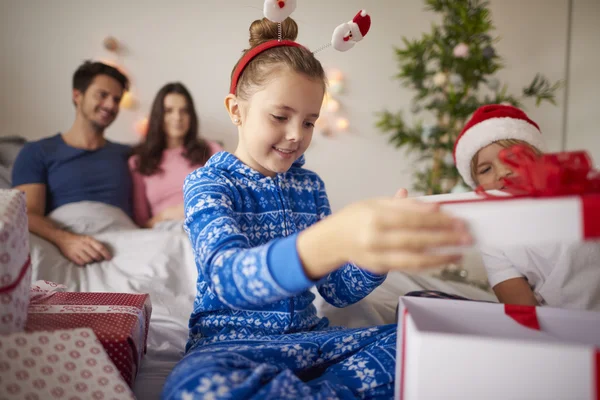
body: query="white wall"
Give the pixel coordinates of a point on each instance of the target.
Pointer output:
(584, 79)
(198, 42)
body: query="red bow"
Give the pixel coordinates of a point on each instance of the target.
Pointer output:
(554, 174)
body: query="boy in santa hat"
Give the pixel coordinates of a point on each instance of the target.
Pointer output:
(559, 275)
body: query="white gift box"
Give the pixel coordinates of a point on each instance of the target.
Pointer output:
(15, 271)
(61, 364)
(457, 349)
(508, 221)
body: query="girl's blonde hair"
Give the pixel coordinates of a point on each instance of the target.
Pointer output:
(262, 67)
(505, 143)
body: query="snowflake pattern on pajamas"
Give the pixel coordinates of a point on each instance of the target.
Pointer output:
(333, 363)
(249, 336)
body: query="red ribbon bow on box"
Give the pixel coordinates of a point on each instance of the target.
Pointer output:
(547, 175)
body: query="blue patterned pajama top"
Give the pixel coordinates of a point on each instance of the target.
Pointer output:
(254, 332)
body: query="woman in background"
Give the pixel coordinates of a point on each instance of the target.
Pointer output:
(171, 150)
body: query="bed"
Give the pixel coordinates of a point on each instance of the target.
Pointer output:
(160, 262)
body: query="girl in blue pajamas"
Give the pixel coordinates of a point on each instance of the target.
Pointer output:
(263, 235)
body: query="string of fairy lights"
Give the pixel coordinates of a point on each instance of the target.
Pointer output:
(331, 122)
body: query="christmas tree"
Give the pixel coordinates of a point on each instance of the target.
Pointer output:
(452, 71)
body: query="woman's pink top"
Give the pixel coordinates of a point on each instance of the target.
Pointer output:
(152, 194)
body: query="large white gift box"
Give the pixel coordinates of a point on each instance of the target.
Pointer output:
(15, 269)
(458, 349)
(506, 220)
(62, 364)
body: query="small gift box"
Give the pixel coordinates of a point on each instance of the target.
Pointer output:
(119, 320)
(457, 349)
(63, 364)
(15, 268)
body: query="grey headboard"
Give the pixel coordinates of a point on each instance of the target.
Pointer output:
(9, 148)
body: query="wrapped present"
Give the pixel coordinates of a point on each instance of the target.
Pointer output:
(553, 198)
(15, 269)
(457, 349)
(63, 364)
(119, 320)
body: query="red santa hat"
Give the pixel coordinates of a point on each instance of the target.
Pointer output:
(360, 25)
(489, 124)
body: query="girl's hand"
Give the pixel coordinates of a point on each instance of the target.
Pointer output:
(386, 234)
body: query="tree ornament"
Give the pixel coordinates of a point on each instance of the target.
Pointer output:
(461, 50)
(488, 52)
(440, 79)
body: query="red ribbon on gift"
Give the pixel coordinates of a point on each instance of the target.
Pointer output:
(524, 315)
(547, 175)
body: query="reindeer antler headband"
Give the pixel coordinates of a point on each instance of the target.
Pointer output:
(344, 37)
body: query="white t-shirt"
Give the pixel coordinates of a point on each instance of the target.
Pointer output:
(562, 275)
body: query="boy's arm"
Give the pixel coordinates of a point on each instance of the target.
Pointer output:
(515, 291)
(509, 284)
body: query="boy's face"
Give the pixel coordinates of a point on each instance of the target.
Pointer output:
(489, 170)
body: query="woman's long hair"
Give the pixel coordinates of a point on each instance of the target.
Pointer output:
(150, 151)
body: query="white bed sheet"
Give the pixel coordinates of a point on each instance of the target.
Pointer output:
(160, 262)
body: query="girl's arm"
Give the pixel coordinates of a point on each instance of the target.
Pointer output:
(348, 284)
(141, 207)
(515, 291)
(241, 276)
(384, 234)
(380, 235)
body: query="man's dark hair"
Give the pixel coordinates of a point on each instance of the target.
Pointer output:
(86, 73)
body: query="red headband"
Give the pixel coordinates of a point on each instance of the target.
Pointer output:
(253, 53)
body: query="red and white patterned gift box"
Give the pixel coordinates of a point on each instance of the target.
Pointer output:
(65, 364)
(119, 320)
(15, 269)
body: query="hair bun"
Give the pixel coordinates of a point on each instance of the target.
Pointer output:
(263, 30)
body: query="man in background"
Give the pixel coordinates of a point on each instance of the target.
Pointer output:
(79, 164)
